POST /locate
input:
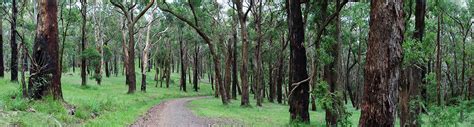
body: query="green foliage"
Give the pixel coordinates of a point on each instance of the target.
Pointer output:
(49, 105)
(416, 105)
(415, 51)
(270, 115)
(431, 86)
(466, 108)
(15, 102)
(108, 53)
(324, 57)
(443, 116)
(92, 109)
(451, 115)
(332, 102)
(195, 3)
(107, 105)
(94, 57)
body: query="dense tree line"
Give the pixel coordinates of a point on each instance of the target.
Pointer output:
(388, 58)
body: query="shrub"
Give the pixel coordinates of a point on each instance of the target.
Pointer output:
(50, 106)
(443, 116)
(15, 102)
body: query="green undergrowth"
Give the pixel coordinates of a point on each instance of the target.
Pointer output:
(273, 114)
(93, 105)
(270, 114)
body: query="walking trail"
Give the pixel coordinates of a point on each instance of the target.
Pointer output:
(174, 113)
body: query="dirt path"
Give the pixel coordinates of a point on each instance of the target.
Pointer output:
(174, 113)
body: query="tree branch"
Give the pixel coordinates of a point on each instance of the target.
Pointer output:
(121, 7)
(194, 13)
(328, 20)
(143, 11)
(187, 21)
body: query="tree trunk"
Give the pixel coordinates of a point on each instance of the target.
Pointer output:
(382, 69)
(168, 66)
(359, 87)
(323, 5)
(243, 69)
(130, 69)
(438, 60)
(83, 42)
(23, 68)
(146, 51)
(299, 95)
(218, 74)
(258, 53)
(13, 44)
(2, 63)
(331, 72)
(271, 84)
(195, 69)
(106, 64)
(188, 69)
(131, 21)
(279, 81)
(235, 80)
(227, 69)
(99, 43)
(412, 76)
(348, 74)
(45, 74)
(115, 64)
(183, 65)
(64, 36)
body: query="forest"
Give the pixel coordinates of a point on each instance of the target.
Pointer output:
(196, 63)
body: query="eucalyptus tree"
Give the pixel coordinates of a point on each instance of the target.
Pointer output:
(299, 87)
(183, 61)
(461, 20)
(235, 80)
(200, 28)
(148, 45)
(382, 72)
(257, 16)
(242, 16)
(45, 75)
(83, 42)
(413, 75)
(2, 67)
(196, 66)
(438, 59)
(332, 70)
(99, 39)
(128, 12)
(13, 43)
(65, 22)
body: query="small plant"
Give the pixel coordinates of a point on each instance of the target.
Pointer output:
(49, 105)
(443, 116)
(15, 102)
(94, 57)
(333, 103)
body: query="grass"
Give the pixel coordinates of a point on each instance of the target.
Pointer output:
(273, 114)
(109, 105)
(104, 105)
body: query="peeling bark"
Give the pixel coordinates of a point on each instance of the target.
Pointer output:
(45, 74)
(299, 89)
(382, 69)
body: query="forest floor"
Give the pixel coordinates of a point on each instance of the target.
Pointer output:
(109, 105)
(276, 115)
(174, 113)
(94, 105)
